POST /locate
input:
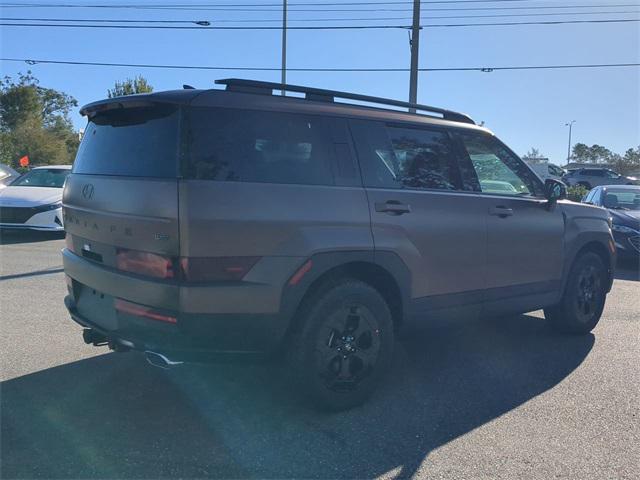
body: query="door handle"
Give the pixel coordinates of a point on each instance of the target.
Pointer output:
(501, 211)
(393, 207)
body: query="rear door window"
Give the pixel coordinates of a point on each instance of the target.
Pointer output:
(597, 197)
(399, 157)
(258, 146)
(136, 142)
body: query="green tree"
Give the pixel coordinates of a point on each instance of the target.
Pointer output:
(582, 153)
(576, 192)
(34, 121)
(532, 154)
(629, 163)
(130, 86)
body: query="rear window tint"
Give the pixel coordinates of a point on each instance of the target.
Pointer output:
(253, 146)
(397, 157)
(424, 158)
(137, 142)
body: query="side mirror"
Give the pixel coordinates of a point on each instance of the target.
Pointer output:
(554, 190)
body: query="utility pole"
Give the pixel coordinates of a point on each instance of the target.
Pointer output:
(570, 125)
(415, 44)
(284, 45)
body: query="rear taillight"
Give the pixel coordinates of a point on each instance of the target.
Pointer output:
(187, 269)
(145, 263)
(215, 269)
(138, 310)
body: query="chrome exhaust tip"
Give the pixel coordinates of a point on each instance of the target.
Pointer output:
(159, 360)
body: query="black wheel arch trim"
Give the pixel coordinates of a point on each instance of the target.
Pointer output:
(325, 262)
(604, 243)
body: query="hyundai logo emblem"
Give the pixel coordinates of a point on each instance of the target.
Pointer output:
(87, 191)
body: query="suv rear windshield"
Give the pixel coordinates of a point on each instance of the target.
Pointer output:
(136, 142)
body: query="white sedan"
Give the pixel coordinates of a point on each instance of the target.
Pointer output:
(34, 200)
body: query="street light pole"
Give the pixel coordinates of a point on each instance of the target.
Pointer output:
(570, 125)
(284, 46)
(415, 44)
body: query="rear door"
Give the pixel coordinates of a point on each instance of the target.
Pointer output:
(276, 186)
(420, 212)
(123, 190)
(525, 239)
(593, 176)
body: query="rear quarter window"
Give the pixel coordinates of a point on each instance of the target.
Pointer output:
(258, 146)
(137, 142)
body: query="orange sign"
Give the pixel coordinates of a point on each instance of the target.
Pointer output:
(24, 161)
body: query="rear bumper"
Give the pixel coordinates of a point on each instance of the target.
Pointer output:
(243, 317)
(175, 345)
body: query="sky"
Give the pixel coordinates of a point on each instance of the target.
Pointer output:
(526, 108)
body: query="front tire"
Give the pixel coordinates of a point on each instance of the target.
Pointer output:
(343, 345)
(583, 301)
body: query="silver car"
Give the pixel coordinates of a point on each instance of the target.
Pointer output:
(594, 177)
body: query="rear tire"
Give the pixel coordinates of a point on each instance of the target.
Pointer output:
(343, 345)
(584, 296)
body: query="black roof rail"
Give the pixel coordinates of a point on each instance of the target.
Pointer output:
(318, 94)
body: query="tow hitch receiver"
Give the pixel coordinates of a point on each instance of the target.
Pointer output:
(94, 338)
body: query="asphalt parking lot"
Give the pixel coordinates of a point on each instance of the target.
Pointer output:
(498, 398)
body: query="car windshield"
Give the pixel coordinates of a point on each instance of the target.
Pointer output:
(622, 199)
(6, 171)
(43, 177)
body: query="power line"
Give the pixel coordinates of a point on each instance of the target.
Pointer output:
(305, 4)
(628, 12)
(519, 15)
(98, 20)
(201, 22)
(294, 9)
(320, 27)
(304, 69)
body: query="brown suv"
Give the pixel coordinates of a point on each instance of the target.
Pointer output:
(202, 222)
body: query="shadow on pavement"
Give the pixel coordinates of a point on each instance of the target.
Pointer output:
(10, 237)
(114, 416)
(47, 271)
(628, 269)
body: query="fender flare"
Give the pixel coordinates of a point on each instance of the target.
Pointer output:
(585, 239)
(324, 262)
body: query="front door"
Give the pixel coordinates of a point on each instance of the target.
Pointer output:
(525, 238)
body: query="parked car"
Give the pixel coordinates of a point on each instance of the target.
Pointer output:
(623, 203)
(211, 221)
(7, 175)
(548, 170)
(593, 177)
(34, 200)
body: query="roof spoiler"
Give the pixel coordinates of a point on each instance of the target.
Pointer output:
(92, 109)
